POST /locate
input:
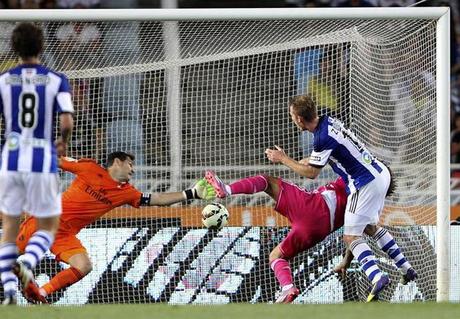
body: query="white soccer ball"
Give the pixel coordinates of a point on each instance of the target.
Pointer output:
(215, 216)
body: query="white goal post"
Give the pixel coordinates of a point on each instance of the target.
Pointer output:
(173, 62)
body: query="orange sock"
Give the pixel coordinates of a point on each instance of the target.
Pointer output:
(62, 280)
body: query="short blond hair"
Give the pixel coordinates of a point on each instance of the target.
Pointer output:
(304, 106)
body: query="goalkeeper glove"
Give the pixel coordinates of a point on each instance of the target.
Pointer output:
(201, 190)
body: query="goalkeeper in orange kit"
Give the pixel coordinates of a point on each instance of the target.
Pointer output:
(94, 192)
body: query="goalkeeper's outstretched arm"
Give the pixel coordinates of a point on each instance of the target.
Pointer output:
(201, 190)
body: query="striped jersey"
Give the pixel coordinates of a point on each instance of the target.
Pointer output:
(335, 144)
(30, 96)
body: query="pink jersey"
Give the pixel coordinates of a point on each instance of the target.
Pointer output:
(313, 215)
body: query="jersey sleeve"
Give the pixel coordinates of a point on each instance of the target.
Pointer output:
(63, 97)
(133, 197)
(323, 145)
(76, 166)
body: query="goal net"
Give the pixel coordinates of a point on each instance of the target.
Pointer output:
(187, 96)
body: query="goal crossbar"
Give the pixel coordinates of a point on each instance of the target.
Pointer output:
(222, 14)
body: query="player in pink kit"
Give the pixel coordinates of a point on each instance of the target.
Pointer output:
(313, 216)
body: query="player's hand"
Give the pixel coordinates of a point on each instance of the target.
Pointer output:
(61, 147)
(341, 269)
(203, 190)
(275, 156)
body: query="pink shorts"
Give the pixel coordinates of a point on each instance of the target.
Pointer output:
(309, 216)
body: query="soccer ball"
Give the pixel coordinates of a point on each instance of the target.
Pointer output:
(215, 216)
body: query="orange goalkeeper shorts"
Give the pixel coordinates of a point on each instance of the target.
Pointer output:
(65, 244)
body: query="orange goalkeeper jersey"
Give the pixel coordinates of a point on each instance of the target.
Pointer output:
(92, 194)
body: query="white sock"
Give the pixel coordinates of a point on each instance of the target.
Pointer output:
(387, 243)
(8, 256)
(287, 287)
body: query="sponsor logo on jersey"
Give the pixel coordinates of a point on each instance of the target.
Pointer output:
(315, 158)
(98, 195)
(366, 157)
(13, 141)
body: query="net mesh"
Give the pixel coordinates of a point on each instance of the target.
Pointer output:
(218, 103)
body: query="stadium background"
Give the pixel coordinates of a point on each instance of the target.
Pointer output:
(108, 281)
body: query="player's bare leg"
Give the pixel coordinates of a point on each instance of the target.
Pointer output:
(386, 242)
(80, 266)
(8, 256)
(284, 276)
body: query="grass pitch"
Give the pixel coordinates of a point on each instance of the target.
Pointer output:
(238, 311)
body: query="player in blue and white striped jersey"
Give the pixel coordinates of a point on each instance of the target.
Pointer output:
(368, 183)
(30, 97)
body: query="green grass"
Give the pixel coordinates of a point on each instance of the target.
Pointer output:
(239, 311)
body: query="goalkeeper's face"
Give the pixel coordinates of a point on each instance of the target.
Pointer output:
(124, 170)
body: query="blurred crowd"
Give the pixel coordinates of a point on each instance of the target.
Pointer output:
(49, 4)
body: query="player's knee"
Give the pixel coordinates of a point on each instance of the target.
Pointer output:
(8, 237)
(50, 224)
(348, 239)
(275, 254)
(10, 229)
(85, 267)
(370, 230)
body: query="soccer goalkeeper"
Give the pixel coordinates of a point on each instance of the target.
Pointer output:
(94, 192)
